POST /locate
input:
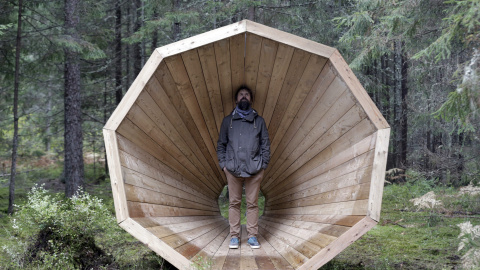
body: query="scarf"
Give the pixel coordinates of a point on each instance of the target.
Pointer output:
(243, 113)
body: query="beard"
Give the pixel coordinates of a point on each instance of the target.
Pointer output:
(244, 105)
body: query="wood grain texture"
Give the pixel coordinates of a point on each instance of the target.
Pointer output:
(202, 39)
(289, 39)
(378, 174)
(346, 239)
(116, 178)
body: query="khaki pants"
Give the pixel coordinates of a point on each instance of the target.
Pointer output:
(252, 187)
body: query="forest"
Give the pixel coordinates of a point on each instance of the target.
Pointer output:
(65, 66)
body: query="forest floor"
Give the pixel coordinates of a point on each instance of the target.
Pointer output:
(408, 236)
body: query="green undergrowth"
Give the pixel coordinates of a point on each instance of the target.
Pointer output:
(411, 237)
(59, 235)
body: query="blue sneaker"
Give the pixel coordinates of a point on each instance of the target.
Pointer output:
(234, 242)
(253, 242)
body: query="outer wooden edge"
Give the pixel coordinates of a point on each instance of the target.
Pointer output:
(116, 177)
(378, 174)
(155, 244)
(134, 91)
(289, 39)
(337, 246)
(202, 39)
(358, 91)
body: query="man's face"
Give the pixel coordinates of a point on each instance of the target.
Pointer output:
(244, 100)
(244, 95)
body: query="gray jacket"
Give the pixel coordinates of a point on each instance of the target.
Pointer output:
(243, 146)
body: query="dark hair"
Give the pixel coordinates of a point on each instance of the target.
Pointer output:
(243, 87)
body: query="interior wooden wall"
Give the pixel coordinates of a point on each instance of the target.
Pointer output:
(318, 182)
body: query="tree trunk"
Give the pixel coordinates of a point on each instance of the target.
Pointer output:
(11, 197)
(176, 25)
(137, 48)
(118, 52)
(155, 33)
(251, 13)
(128, 47)
(404, 115)
(74, 168)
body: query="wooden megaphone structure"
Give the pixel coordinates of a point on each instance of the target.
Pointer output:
(329, 142)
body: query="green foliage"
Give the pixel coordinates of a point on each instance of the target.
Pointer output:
(51, 232)
(461, 25)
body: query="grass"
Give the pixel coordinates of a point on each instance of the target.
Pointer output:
(411, 238)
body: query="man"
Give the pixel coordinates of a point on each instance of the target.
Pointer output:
(243, 151)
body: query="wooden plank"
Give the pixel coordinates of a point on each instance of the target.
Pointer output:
(232, 260)
(138, 137)
(356, 208)
(342, 220)
(143, 122)
(338, 120)
(312, 71)
(305, 241)
(192, 248)
(139, 189)
(160, 182)
(325, 139)
(147, 103)
(346, 239)
(350, 193)
(353, 168)
(176, 240)
(290, 236)
(292, 78)
(221, 255)
(289, 39)
(135, 89)
(163, 90)
(314, 163)
(182, 115)
(237, 61)
(202, 39)
(253, 48)
(289, 253)
(212, 81)
(116, 178)
(315, 120)
(139, 160)
(262, 259)
(143, 195)
(309, 110)
(247, 261)
(276, 258)
(280, 68)
(317, 185)
(206, 255)
(328, 229)
(329, 161)
(148, 222)
(136, 209)
(155, 244)
(378, 174)
(265, 72)
(178, 71)
(195, 74)
(222, 57)
(178, 228)
(358, 91)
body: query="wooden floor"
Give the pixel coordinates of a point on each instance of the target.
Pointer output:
(204, 240)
